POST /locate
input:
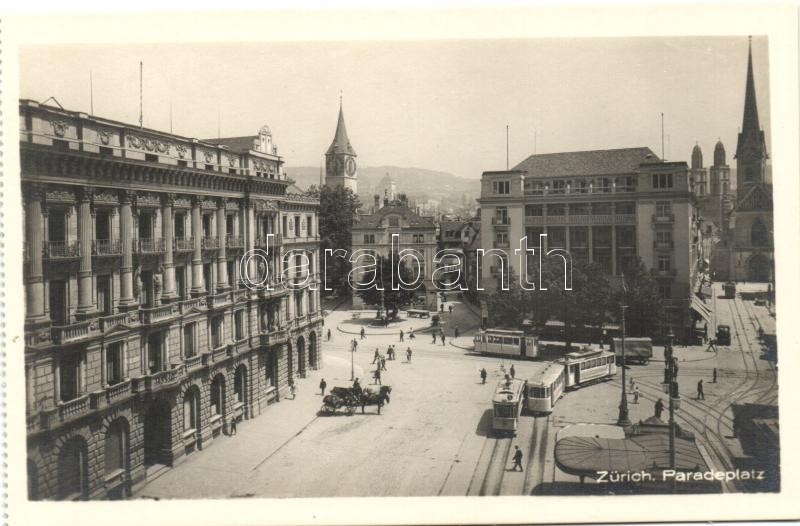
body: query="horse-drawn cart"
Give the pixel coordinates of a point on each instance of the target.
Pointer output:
(347, 399)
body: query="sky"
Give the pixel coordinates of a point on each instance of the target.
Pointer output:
(438, 104)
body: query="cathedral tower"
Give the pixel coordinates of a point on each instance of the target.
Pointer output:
(340, 159)
(751, 148)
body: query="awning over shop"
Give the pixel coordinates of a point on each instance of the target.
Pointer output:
(587, 456)
(700, 308)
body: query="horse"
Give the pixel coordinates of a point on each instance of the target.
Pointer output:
(372, 397)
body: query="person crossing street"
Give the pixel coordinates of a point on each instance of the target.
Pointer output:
(483, 375)
(700, 394)
(408, 354)
(322, 385)
(517, 459)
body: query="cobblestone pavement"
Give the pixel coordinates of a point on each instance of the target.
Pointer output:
(433, 437)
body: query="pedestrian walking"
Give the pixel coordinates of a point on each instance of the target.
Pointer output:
(411, 334)
(329, 335)
(401, 335)
(700, 394)
(483, 375)
(712, 345)
(232, 427)
(442, 335)
(383, 364)
(450, 309)
(455, 332)
(378, 376)
(376, 357)
(659, 408)
(363, 333)
(292, 389)
(322, 385)
(408, 354)
(636, 395)
(517, 459)
(512, 371)
(434, 337)
(714, 376)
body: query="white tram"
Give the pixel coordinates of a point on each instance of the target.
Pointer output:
(588, 365)
(502, 342)
(507, 404)
(546, 388)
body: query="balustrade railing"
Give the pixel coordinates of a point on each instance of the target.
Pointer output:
(663, 218)
(118, 391)
(183, 244)
(156, 314)
(210, 243)
(61, 249)
(73, 407)
(151, 245)
(106, 247)
(194, 361)
(234, 241)
(109, 322)
(193, 303)
(663, 245)
(69, 333)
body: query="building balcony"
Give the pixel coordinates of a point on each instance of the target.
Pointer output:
(149, 245)
(216, 301)
(106, 247)
(581, 220)
(663, 218)
(625, 219)
(189, 305)
(69, 410)
(300, 239)
(160, 380)
(261, 241)
(501, 222)
(193, 361)
(61, 249)
(111, 394)
(659, 273)
(183, 244)
(157, 314)
(273, 337)
(663, 245)
(238, 295)
(501, 244)
(124, 318)
(220, 353)
(234, 241)
(210, 243)
(74, 332)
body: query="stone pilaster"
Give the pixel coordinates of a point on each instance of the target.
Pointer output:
(85, 237)
(126, 300)
(34, 237)
(168, 226)
(198, 285)
(222, 261)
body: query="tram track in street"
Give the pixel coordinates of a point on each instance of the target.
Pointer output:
(498, 462)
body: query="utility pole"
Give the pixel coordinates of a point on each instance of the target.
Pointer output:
(506, 147)
(623, 419)
(672, 392)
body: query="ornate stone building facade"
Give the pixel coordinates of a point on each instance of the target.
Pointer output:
(143, 341)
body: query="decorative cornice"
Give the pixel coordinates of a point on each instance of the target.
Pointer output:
(147, 143)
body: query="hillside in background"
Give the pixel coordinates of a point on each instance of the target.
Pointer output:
(420, 185)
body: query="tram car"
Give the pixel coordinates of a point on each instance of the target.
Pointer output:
(545, 389)
(587, 366)
(508, 343)
(507, 404)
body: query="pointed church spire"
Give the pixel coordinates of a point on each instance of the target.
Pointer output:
(341, 143)
(750, 119)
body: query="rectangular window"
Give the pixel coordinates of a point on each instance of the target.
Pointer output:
(501, 187)
(238, 319)
(664, 263)
(601, 208)
(104, 301)
(664, 236)
(581, 209)
(626, 208)
(69, 376)
(310, 225)
(296, 226)
(665, 290)
(663, 208)
(559, 187)
(114, 361)
(102, 224)
(216, 332)
(188, 340)
(369, 238)
(232, 273)
(662, 181)
(556, 210)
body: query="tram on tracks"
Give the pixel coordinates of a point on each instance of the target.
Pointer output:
(507, 405)
(546, 388)
(507, 343)
(588, 365)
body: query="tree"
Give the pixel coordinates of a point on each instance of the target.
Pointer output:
(337, 210)
(642, 298)
(392, 300)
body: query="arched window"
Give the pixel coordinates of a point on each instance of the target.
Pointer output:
(191, 409)
(759, 236)
(218, 395)
(240, 384)
(73, 480)
(116, 446)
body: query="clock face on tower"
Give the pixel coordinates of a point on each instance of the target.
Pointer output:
(351, 166)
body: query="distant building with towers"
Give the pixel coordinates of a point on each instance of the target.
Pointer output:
(340, 159)
(746, 249)
(712, 187)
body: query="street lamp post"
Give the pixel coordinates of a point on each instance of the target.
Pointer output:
(352, 355)
(672, 389)
(623, 419)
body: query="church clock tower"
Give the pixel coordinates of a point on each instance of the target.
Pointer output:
(751, 148)
(340, 159)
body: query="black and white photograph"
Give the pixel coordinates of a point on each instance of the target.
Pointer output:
(263, 270)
